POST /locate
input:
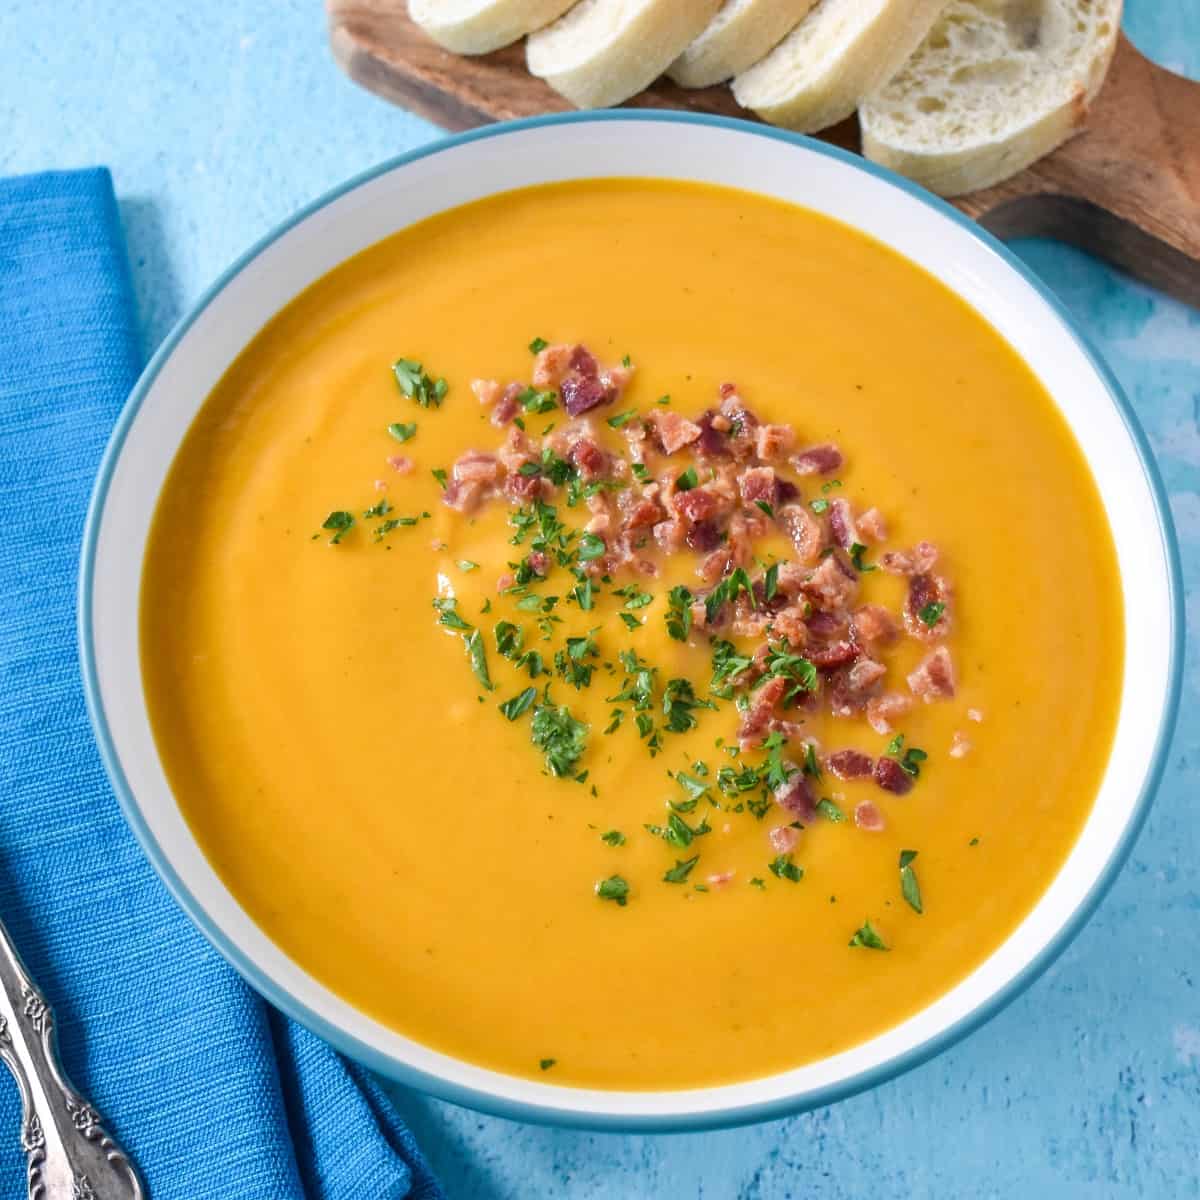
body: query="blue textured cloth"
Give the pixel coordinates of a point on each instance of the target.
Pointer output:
(213, 1094)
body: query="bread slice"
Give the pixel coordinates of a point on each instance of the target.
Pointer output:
(604, 51)
(839, 54)
(736, 38)
(991, 89)
(480, 26)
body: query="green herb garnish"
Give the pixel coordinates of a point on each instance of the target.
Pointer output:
(379, 509)
(560, 737)
(819, 506)
(538, 345)
(547, 1063)
(771, 582)
(681, 870)
(783, 868)
(686, 480)
(679, 618)
(830, 811)
(519, 704)
(614, 837)
(621, 419)
(910, 764)
(440, 476)
(857, 550)
(402, 432)
(416, 385)
(766, 508)
(448, 607)
(477, 653)
(932, 613)
(341, 522)
(909, 888)
(613, 888)
(591, 546)
(868, 938)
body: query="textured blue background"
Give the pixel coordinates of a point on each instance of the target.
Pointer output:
(218, 120)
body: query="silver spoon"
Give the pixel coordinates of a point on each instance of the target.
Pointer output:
(70, 1157)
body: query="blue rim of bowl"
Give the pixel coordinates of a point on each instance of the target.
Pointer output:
(547, 1113)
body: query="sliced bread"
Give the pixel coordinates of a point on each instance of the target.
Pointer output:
(480, 26)
(736, 38)
(839, 54)
(991, 89)
(604, 51)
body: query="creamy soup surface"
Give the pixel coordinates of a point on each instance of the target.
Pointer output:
(330, 740)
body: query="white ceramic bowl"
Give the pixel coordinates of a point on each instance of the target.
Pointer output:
(670, 146)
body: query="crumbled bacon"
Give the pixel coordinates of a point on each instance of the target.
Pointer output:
(401, 464)
(789, 624)
(960, 745)
(850, 764)
(919, 559)
(872, 528)
(867, 816)
(507, 406)
(841, 524)
(763, 707)
(773, 442)
(675, 432)
(757, 485)
(829, 657)
(832, 585)
(805, 532)
(551, 365)
(795, 796)
(892, 777)
(934, 678)
(590, 460)
(487, 391)
(817, 460)
(697, 504)
(925, 590)
(720, 878)
(703, 536)
(973, 714)
(883, 710)
(581, 394)
(783, 838)
(873, 625)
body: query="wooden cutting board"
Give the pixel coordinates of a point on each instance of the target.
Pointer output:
(1126, 189)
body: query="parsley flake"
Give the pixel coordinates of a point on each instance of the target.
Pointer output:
(402, 432)
(560, 737)
(909, 888)
(868, 938)
(783, 868)
(340, 522)
(519, 704)
(614, 837)
(830, 811)
(416, 385)
(681, 870)
(613, 888)
(931, 614)
(538, 345)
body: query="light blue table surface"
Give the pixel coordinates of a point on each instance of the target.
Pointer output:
(220, 119)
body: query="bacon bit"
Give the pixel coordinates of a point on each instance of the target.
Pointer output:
(868, 817)
(580, 395)
(924, 590)
(550, 367)
(789, 624)
(830, 585)
(616, 380)
(883, 710)
(841, 524)
(960, 745)
(504, 582)
(758, 485)
(487, 391)
(601, 522)
(973, 714)
(704, 536)
(669, 535)
(806, 533)
(892, 777)
(516, 451)
(791, 578)
(643, 514)
(721, 422)
(865, 673)
(763, 707)
(850, 764)
(873, 625)
(645, 566)
(507, 406)
(401, 464)
(697, 504)
(872, 527)
(934, 678)
(476, 467)
(916, 561)
(539, 562)
(699, 615)
(675, 432)
(828, 658)
(795, 796)
(583, 361)
(720, 879)
(817, 460)
(590, 459)
(774, 442)
(783, 839)
(464, 497)
(380, 485)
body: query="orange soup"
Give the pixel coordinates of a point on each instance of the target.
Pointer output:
(632, 634)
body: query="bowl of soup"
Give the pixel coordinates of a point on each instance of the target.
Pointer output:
(632, 620)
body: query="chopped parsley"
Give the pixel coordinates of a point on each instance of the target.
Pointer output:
(679, 618)
(379, 509)
(686, 480)
(416, 385)
(340, 522)
(402, 432)
(819, 506)
(547, 1063)
(633, 596)
(533, 401)
(679, 704)
(794, 667)
(448, 607)
(758, 883)
(766, 508)
(583, 594)
(771, 582)
(857, 550)
(466, 565)
(591, 546)
(519, 704)
(559, 736)
(440, 476)
(727, 591)
(621, 419)
(868, 938)
(783, 868)
(727, 664)
(830, 811)
(614, 837)
(909, 888)
(630, 621)
(532, 661)
(811, 767)
(641, 472)
(509, 638)
(681, 870)
(386, 527)
(931, 614)
(571, 663)
(910, 764)
(538, 345)
(893, 747)
(477, 653)
(613, 888)
(828, 487)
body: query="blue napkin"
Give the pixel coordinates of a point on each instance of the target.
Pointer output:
(212, 1094)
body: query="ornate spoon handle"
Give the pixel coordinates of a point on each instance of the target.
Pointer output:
(70, 1156)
